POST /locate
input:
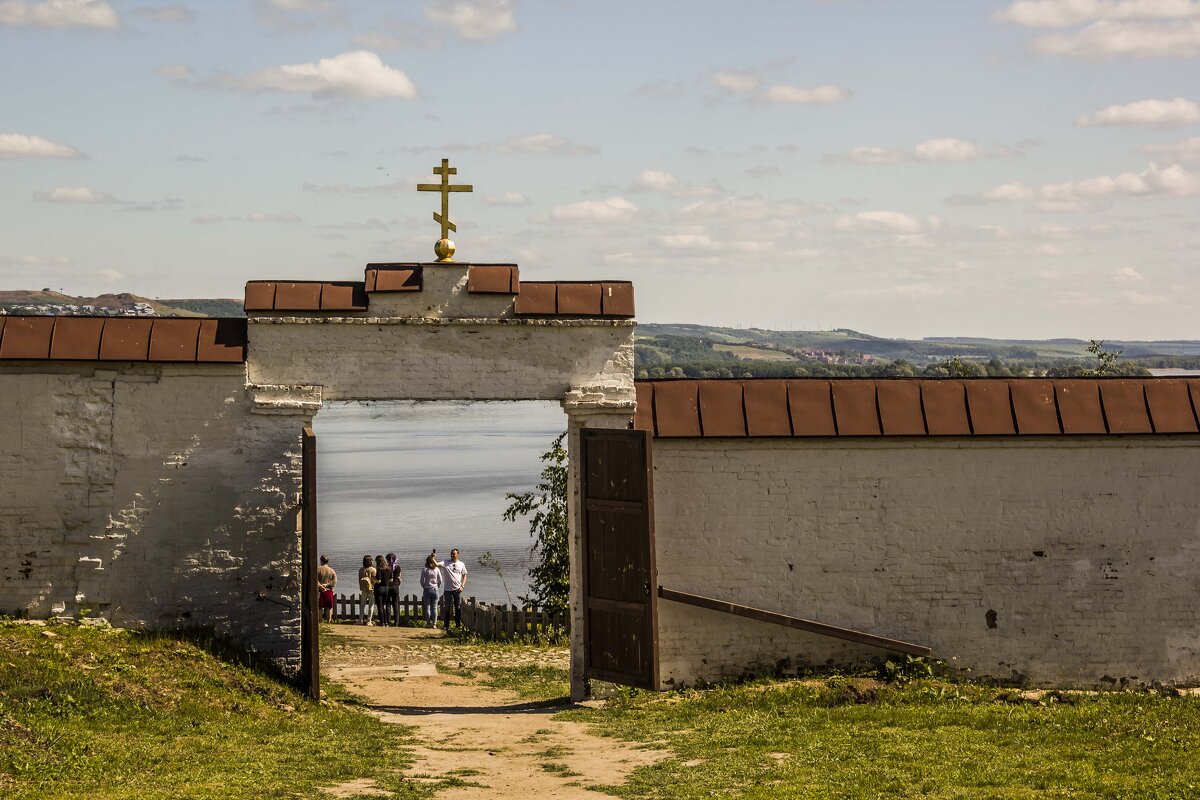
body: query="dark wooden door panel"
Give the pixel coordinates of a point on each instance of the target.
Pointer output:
(618, 567)
(613, 470)
(618, 551)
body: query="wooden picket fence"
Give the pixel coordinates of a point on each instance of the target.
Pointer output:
(485, 619)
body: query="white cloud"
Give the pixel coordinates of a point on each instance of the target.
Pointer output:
(1128, 275)
(59, 14)
(739, 82)
(763, 171)
(1186, 150)
(1009, 191)
(402, 185)
(752, 208)
(173, 71)
(817, 96)
(614, 209)
(474, 19)
(1069, 13)
(255, 216)
(1173, 181)
(74, 195)
(928, 151)
(358, 73)
(1104, 40)
(111, 275)
(666, 183)
(544, 144)
(702, 242)
(298, 15)
(16, 145)
(37, 261)
(948, 150)
(176, 12)
(268, 216)
(878, 222)
(1172, 113)
(1143, 299)
(507, 199)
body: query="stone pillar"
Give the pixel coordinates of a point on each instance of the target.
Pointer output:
(591, 407)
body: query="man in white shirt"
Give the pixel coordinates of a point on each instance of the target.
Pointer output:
(455, 579)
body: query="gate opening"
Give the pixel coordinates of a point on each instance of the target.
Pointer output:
(411, 477)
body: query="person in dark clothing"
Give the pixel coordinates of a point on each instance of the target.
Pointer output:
(393, 592)
(383, 577)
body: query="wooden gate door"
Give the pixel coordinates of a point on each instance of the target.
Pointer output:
(619, 606)
(310, 656)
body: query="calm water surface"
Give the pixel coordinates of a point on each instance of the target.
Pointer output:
(407, 477)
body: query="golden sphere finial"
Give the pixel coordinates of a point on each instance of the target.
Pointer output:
(444, 249)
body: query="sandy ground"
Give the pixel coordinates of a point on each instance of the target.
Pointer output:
(487, 737)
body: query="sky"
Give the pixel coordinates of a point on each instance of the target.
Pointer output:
(910, 168)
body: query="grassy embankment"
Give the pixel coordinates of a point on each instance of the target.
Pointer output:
(103, 714)
(854, 737)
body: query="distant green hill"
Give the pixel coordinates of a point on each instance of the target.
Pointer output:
(740, 343)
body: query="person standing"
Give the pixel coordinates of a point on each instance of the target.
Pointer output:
(431, 583)
(326, 580)
(393, 593)
(366, 590)
(383, 579)
(455, 581)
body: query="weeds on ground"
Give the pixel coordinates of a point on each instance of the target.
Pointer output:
(92, 713)
(859, 737)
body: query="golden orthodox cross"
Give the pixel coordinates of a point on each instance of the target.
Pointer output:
(444, 249)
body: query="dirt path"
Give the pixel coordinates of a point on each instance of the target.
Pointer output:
(491, 738)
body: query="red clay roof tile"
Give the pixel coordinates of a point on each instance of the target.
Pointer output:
(537, 299)
(945, 404)
(399, 278)
(174, 339)
(27, 338)
(1125, 408)
(721, 412)
(1033, 402)
(810, 404)
(1170, 407)
(260, 296)
(1094, 406)
(900, 407)
(343, 296)
(493, 279)
(222, 341)
(616, 299)
(1079, 406)
(766, 404)
(854, 408)
(990, 405)
(298, 296)
(677, 408)
(126, 339)
(579, 299)
(76, 338)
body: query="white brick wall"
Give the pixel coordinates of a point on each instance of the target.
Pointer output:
(151, 495)
(1087, 550)
(378, 358)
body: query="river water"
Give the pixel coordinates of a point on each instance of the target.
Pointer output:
(408, 477)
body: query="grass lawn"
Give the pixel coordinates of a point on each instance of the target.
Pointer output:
(105, 714)
(855, 738)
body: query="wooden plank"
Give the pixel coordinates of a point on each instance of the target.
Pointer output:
(797, 623)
